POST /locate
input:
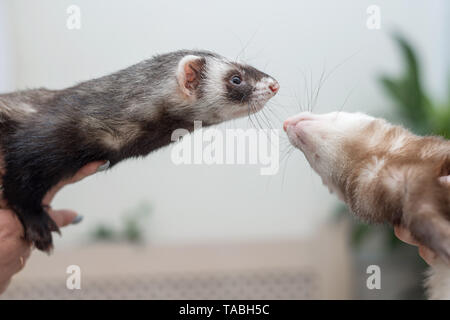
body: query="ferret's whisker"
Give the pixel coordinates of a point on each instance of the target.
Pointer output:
(250, 116)
(312, 102)
(319, 87)
(345, 100)
(274, 114)
(286, 162)
(254, 113)
(306, 87)
(238, 57)
(267, 118)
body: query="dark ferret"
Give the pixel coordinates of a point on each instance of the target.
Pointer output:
(48, 135)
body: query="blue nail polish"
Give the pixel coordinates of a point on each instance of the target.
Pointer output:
(104, 166)
(77, 219)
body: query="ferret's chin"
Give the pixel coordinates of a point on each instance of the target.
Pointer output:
(240, 113)
(246, 110)
(293, 139)
(295, 142)
(298, 138)
(257, 106)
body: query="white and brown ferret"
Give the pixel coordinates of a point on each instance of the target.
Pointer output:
(48, 135)
(385, 174)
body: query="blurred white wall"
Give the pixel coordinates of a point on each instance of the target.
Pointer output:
(6, 51)
(287, 39)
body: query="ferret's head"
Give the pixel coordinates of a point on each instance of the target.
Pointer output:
(382, 171)
(217, 89)
(324, 138)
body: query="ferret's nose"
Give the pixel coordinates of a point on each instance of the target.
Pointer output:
(295, 119)
(274, 87)
(288, 122)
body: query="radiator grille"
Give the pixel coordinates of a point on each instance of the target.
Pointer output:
(275, 284)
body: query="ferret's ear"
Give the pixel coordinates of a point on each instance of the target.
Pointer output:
(189, 73)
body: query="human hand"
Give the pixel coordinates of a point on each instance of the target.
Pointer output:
(14, 250)
(403, 234)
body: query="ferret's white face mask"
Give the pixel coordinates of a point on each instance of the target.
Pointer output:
(321, 137)
(220, 90)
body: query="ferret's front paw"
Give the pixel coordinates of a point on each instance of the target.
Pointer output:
(39, 233)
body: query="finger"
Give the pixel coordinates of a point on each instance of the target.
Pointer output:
(427, 255)
(63, 217)
(85, 171)
(27, 252)
(404, 235)
(23, 258)
(88, 170)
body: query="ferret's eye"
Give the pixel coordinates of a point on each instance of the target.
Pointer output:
(236, 80)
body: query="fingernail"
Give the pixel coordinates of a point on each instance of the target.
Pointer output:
(104, 166)
(77, 219)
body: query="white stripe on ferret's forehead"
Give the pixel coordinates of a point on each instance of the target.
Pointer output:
(216, 70)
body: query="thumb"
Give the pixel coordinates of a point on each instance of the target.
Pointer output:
(64, 217)
(85, 171)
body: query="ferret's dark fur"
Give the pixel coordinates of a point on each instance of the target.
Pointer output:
(48, 135)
